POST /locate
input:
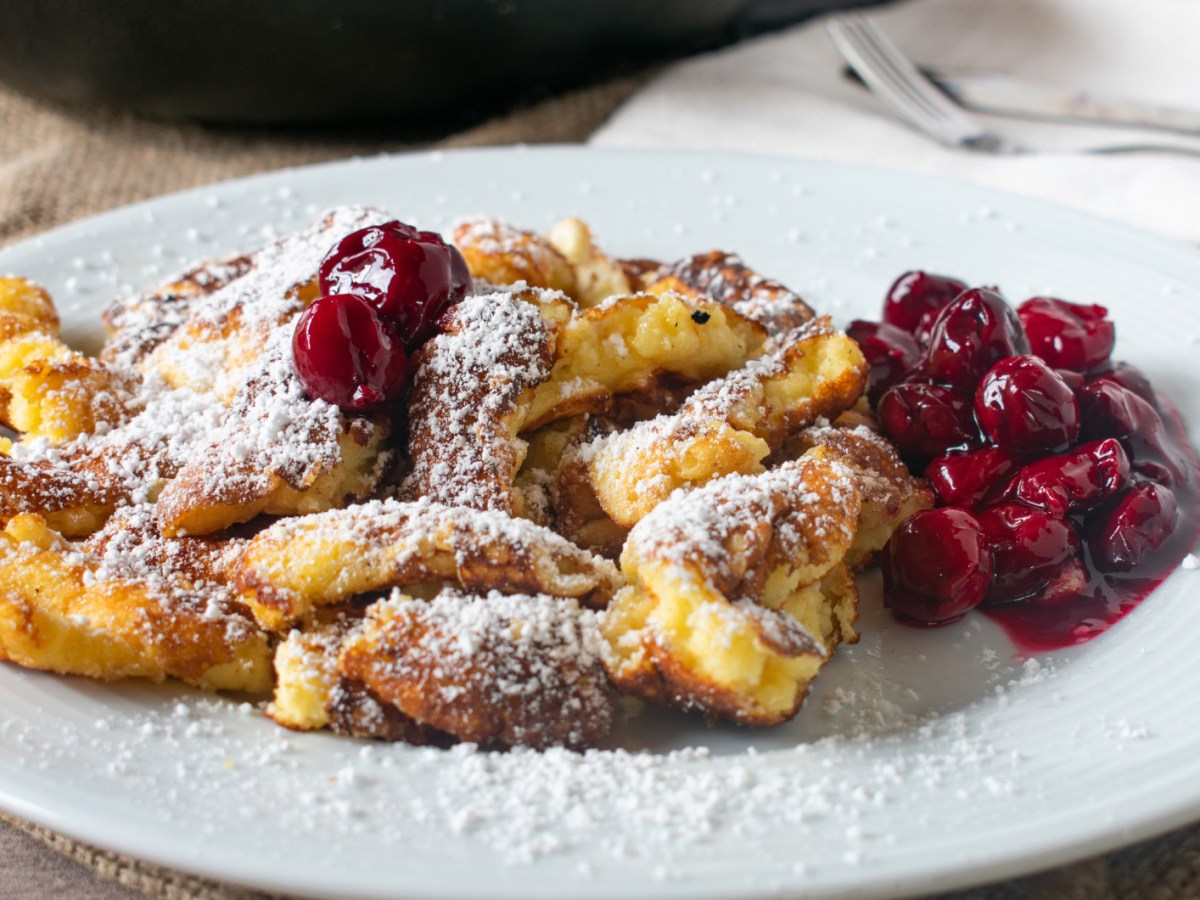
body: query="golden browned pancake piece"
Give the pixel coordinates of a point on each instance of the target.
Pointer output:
(890, 493)
(597, 275)
(506, 669)
(733, 424)
(311, 694)
(464, 409)
(501, 253)
(127, 604)
(740, 593)
(724, 277)
(633, 344)
(299, 564)
(48, 391)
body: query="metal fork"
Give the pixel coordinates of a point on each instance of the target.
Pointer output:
(917, 100)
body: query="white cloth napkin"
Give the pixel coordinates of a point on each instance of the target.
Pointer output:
(785, 94)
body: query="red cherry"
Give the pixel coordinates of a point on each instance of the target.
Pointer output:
(1029, 548)
(1073, 380)
(1074, 481)
(346, 354)
(1024, 407)
(890, 353)
(1068, 335)
(926, 420)
(967, 479)
(1130, 526)
(915, 298)
(936, 566)
(1129, 377)
(411, 276)
(1110, 410)
(971, 335)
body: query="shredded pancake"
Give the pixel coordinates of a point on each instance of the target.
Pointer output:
(739, 593)
(441, 569)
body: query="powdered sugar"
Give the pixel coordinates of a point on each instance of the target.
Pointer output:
(797, 506)
(623, 809)
(515, 668)
(236, 771)
(464, 451)
(217, 414)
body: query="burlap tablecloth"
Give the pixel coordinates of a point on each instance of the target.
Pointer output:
(57, 165)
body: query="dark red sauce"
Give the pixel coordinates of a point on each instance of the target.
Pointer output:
(1072, 484)
(1036, 628)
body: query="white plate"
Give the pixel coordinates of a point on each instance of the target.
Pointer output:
(925, 760)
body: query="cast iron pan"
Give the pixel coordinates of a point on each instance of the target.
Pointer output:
(291, 61)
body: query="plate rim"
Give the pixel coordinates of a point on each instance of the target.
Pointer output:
(67, 229)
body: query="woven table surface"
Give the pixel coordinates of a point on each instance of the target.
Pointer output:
(59, 165)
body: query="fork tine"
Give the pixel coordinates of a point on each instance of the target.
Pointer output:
(864, 58)
(903, 70)
(903, 89)
(884, 66)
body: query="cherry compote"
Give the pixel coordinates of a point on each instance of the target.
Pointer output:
(383, 290)
(969, 336)
(1024, 407)
(1066, 488)
(1073, 482)
(968, 479)
(1029, 548)
(1111, 410)
(890, 352)
(914, 300)
(411, 276)
(1068, 335)
(936, 567)
(1129, 377)
(1123, 532)
(927, 420)
(347, 354)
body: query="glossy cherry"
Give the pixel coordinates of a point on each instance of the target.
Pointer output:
(968, 479)
(1129, 377)
(915, 298)
(1074, 380)
(936, 566)
(969, 336)
(1069, 465)
(1024, 407)
(411, 276)
(926, 420)
(1074, 481)
(345, 353)
(1129, 527)
(1111, 410)
(890, 353)
(1068, 335)
(1029, 548)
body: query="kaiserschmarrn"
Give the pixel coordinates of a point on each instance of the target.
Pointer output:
(606, 477)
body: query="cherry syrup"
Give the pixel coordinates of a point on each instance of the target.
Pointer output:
(1066, 488)
(1108, 597)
